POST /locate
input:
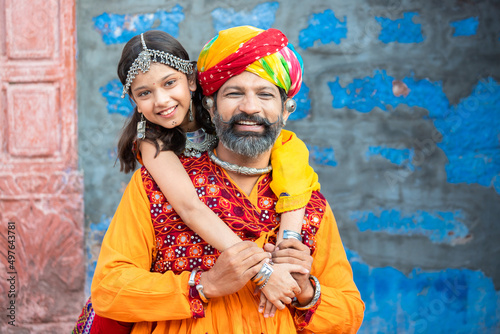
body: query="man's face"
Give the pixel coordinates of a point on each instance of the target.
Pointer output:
(249, 114)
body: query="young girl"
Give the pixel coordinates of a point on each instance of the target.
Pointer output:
(169, 121)
(167, 108)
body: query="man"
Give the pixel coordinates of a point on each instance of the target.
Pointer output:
(248, 109)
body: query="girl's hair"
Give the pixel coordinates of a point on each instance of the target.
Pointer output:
(171, 139)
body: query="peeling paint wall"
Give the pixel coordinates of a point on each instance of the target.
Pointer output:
(400, 109)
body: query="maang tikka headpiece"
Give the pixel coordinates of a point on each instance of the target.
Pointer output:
(144, 59)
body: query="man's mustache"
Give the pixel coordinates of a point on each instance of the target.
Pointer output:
(251, 118)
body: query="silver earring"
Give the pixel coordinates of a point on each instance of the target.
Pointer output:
(191, 116)
(141, 128)
(290, 105)
(207, 102)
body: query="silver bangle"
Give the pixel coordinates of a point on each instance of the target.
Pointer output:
(317, 294)
(203, 298)
(288, 234)
(263, 275)
(192, 276)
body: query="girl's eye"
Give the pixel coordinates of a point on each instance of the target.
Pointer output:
(145, 93)
(169, 82)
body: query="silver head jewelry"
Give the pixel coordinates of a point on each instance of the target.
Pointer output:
(144, 59)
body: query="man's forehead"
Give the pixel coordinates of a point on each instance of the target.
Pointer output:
(248, 80)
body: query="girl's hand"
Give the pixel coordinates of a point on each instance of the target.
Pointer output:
(280, 288)
(292, 251)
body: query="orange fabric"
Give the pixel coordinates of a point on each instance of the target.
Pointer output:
(124, 288)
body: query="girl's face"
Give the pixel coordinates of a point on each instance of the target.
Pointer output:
(162, 95)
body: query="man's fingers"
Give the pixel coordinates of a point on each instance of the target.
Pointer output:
(292, 244)
(254, 269)
(269, 247)
(241, 247)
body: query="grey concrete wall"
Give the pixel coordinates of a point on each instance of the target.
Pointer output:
(401, 111)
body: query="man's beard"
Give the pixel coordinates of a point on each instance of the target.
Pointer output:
(248, 143)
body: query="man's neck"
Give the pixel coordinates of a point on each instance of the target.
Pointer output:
(245, 182)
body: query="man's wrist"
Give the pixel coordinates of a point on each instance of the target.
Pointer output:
(316, 297)
(307, 294)
(208, 288)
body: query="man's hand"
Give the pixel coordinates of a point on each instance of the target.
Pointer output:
(234, 268)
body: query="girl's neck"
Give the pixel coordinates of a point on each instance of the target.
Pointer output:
(190, 126)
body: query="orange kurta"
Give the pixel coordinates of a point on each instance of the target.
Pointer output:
(125, 289)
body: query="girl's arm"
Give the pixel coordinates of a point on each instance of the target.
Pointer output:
(293, 181)
(292, 221)
(176, 185)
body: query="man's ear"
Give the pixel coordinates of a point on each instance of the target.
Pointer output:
(208, 103)
(286, 110)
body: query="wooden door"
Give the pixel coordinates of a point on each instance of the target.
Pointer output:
(41, 189)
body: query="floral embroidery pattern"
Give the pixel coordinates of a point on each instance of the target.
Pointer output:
(179, 249)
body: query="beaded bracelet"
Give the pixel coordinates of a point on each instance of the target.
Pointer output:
(317, 294)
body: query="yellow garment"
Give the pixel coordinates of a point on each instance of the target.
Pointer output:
(124, 289)
(292, 173)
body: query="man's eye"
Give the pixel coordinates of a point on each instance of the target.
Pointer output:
(267, 95)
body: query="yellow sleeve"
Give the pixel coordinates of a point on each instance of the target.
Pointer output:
(293, 178)
(123, 288)
(341, 309)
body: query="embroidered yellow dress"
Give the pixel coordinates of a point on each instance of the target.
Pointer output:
(148, 253)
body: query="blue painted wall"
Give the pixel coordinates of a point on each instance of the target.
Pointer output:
(400, 109)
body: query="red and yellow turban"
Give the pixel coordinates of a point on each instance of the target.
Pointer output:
(266, 53)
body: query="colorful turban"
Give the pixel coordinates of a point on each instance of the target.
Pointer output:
(266, 53)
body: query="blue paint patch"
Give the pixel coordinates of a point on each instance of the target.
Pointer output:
(116, 28)
(470, 130)
(324, 27)
(401, 30)
(303, 104)
(439, 227)
(115, 104)
(400, 157)
(93, 246)
(471, 136)
(262, 16)
(365, 94)
(446, 301)
(322, 155)
(467, 27)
